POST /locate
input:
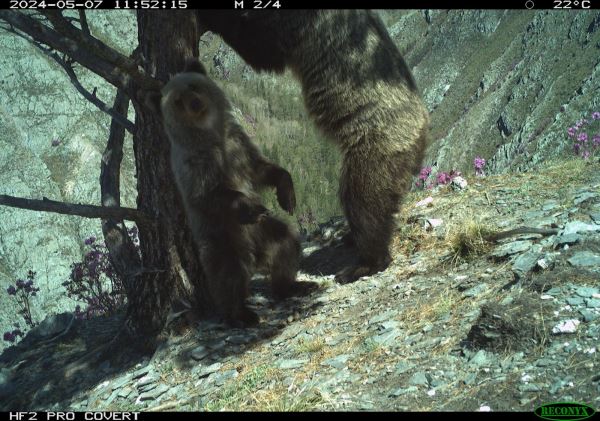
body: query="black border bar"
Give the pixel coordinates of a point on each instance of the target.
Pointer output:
(565, 5)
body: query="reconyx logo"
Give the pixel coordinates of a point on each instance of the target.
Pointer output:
(564, 411)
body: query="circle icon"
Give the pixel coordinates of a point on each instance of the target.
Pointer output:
(529, 4)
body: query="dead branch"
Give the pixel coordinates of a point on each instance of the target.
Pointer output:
(521, 230)
(86, 211)
(90, 96)
(83, 22)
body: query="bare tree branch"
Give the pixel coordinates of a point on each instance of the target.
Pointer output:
(122, 252)
(87, 211)
(83, 22)
(115, 68)
(67, 66)
(90, 96)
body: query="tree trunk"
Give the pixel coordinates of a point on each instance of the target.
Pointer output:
(170, 265)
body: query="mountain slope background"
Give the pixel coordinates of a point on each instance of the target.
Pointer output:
(503, 85)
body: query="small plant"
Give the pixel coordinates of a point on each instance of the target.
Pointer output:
(237, 393)
(586, 136)
(468, 240)
(94, 281)
(479, 164)
(369, 345)
(23, 290)
(310, 346)
(12, 336)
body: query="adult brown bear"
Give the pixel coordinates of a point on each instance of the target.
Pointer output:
(360, 93)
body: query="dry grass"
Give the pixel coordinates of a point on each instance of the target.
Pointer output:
(409, 239)
(312, 346)
(238, 394)
(468, 239)
(290, 399)
(426, 309)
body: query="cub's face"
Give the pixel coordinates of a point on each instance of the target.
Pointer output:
(187, 101)
(191, 101)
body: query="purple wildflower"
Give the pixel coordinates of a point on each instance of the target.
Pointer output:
(89, 241)
(479, 163)
(55, 142)
(423, 176)
(11, 290)
(596, 115)
(12, 336)
(425, 173)
(572, 131)
(443, 178)
(582, 137)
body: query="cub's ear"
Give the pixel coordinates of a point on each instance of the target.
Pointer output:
(152, 101)
(192, 65)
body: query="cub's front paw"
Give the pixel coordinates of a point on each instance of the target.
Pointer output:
(286, 196)
(251, 213)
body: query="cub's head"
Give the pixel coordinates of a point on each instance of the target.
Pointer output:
(191, 100)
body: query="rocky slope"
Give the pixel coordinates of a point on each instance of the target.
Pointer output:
(456, 323)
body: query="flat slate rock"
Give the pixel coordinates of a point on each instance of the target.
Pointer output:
(575, 301)
(154, 393)
(580, 198)
(291, 364)
(586, 292)
(338, 362)
(420, 378)
(205, 371)
(567, 239)
(592, 303)
(585, 259)
(387, 336)
(575, 227)
(525, 263)
(200, 352)
(511, 248)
